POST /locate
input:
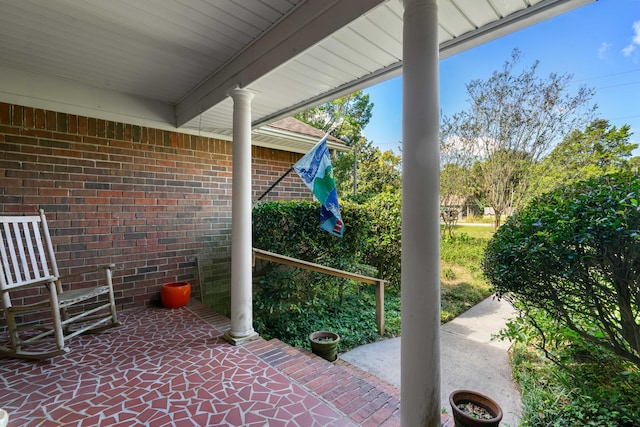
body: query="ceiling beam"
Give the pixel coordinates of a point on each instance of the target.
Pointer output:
(303, 28)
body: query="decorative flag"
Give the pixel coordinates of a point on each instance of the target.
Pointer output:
(317, 173)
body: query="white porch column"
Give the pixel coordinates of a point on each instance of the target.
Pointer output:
(241, 252)
(420, 344)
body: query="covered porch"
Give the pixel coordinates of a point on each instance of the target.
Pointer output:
(172, 367)
(154, 80)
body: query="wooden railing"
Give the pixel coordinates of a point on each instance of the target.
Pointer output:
(379, 283)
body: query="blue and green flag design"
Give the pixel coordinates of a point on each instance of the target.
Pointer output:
(317, 173)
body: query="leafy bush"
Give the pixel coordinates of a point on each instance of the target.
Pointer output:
(385, 236)
(574, 253)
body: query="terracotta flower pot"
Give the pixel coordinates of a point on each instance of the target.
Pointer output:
(476, 400)
(325, 344)
(175, 294)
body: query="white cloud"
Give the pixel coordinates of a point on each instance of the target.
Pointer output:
(627, 51)
(636, 30)
(602, 50)
(635, 41)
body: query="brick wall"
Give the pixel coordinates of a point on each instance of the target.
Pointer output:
(145, 199)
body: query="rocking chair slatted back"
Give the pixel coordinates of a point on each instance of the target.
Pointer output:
(20, 267)
(34, 304)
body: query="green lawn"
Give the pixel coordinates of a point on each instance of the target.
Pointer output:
(461, 282)
(479, 231)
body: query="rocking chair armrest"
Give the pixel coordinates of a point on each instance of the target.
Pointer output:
(89, 270)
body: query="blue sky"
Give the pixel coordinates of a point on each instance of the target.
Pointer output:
(599, 44)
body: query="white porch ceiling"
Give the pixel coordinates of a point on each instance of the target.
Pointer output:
(170, 63)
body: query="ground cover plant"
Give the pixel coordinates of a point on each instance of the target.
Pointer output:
(576, 387)
(353, 318)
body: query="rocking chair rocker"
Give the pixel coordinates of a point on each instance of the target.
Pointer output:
(40, 317)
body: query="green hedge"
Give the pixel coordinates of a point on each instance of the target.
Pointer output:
(385, 237)
(293, 229)
(371, 241)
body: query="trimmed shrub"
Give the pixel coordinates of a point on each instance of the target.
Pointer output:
(293, 229)
(574, 253)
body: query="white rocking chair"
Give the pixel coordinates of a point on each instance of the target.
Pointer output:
(39, 316)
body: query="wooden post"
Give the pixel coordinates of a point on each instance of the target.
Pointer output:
(380, 307)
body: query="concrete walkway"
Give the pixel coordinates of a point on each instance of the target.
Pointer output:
(469, 358)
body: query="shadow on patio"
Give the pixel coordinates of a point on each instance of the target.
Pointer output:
(173, 368)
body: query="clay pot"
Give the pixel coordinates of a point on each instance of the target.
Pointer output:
(325, 344)
(462, 419)
(175, 294)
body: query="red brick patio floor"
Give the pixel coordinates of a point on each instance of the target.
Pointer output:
(173, 368)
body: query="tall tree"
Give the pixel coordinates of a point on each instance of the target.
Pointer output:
(376, 171)
(455, 175)
(365, 166)
(513, 120)
(600, 149)
(347, 116)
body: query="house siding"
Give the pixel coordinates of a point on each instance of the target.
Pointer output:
(145, 199)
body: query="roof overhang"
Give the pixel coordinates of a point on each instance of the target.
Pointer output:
(298, 136)
(171, 64)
